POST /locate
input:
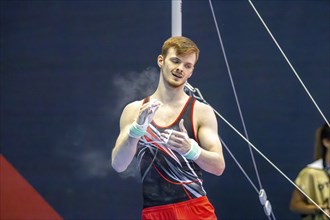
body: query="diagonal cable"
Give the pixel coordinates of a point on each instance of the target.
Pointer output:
(197, 94)
(235, 93)
(288, 61)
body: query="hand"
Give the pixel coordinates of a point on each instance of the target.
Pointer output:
(147, 112)
(177, 140)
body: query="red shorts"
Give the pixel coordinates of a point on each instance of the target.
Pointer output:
(199, 208)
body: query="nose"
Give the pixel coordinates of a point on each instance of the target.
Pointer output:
(179, 70)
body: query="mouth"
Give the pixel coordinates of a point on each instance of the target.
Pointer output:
(177, 75)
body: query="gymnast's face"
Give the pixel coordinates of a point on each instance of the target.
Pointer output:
(176, 69)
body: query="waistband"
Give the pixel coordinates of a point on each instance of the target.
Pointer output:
(199, 200)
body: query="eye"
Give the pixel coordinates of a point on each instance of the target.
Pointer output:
(176, 60)
(188, 66)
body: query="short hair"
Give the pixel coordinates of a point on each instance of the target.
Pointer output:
(182, 46)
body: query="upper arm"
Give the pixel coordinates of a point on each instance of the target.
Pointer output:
(207, 128)
(127, 117)
(297, 196)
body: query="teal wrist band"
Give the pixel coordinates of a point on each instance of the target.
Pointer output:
(136, 130)
(194, 152)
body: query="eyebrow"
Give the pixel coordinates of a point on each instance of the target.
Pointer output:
(177, 58)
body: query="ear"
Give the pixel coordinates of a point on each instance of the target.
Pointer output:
(160, 60)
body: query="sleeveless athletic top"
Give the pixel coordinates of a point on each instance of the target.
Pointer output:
(167, 176)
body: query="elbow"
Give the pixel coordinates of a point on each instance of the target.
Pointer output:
(220, 169)
(293, 207)
(117, 167)
(116, 164)
(219, 172)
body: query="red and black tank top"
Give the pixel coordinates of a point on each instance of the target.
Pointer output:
(167, 176)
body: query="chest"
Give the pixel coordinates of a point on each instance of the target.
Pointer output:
(167, 115)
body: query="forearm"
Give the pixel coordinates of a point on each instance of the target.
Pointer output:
(131, 131)
(208, 158)
(123, 153)
(304, 208)
(211, 162)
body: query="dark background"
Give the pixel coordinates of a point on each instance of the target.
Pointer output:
(69, 67)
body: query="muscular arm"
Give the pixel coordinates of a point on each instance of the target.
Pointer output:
(211, 158)
(125, 147)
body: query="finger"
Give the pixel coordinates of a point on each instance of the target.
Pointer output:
(147, 112)
(172, 144)
(167, 135)
(143, 114)
(152, 108)
(154, 104)
(168, 131)
(145, 109)
(164, 136)
(176, 134)
(177, 139)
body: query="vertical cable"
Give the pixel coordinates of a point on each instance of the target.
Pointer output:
(235, 93)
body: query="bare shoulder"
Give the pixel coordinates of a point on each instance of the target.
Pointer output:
(204, 116)
(202, 110)
(133, 105)
(131, 111)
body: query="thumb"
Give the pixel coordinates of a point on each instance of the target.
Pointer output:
(182, 128)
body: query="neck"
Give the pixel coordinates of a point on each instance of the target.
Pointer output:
(168, 94)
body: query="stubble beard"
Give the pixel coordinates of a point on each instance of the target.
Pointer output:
(169, 82)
